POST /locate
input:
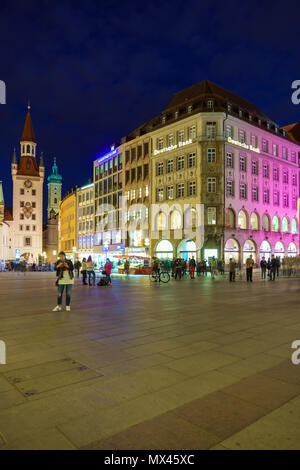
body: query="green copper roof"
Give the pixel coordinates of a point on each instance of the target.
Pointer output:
(54, 177)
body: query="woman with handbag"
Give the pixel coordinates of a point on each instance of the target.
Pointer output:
(65, 279)
(90, 270)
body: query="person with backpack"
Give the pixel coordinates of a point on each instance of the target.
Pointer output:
(65, 280)
(107, 269)
(192, 267)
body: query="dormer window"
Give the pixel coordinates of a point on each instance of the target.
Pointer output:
(276, 130)
(229, 107)
(176, 114)
(210, 104)
(268, 125)
(259, 122)
(163, 119)
(250, 117)
(240, 113)
(190, 109)
(283, 132)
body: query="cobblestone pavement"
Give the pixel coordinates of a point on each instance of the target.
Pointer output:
(193, 364)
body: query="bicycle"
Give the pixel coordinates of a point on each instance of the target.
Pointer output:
(160, 276)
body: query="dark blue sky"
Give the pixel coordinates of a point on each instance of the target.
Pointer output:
(95, 70)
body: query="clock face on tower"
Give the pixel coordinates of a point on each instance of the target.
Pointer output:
(27, 184)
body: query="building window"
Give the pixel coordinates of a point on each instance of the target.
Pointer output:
(192, 132)
(211, 185)
(190, 108)
(170, 192)
(275, 150)
(181, 136)
(254, 167)
(21, 203)
(180, 163)
(266, 196)
(21, 228)
(285, 177)
(276, 174)
(293, 157)
(170, 140)
(170, 166)
(33, 228)
(211, 155)
(33, 216)
(192, 188)
(229, 160)
(294, 180)
(22, 216)
(27, 228)
(243, 164)
(191, 160)
(210, 104)
(254, 141)
(160, 194)
(160, 168)
(211, 130)
(211, 216)
(33, 192)
(22, 191)
(285, 200)
(27, 241)
(266, 171)
(242, 136)
(276, 198)
(229, 131)
(230, 188)
(265, 146)
(243, 191)
(160, 143)
(255, 193)
(147, 191)
(180, 190)
(284, 153)
(294, 203)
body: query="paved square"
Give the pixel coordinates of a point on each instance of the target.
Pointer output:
(187, 365)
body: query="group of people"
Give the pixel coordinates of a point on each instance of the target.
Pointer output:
(65, 276)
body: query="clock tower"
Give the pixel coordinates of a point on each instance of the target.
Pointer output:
(54, 190)
(28, 178)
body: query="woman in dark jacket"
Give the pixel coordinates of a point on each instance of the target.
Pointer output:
(65, 279)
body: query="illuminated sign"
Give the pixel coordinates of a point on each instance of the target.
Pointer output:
(106, 156)
(245, 146)
(173, 147)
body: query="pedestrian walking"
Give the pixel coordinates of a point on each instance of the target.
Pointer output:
(90, 268)
(65, 280)
(126, 267)
(77, 266)
(249, 268)
(178, 268)
(84, 272)
(213, 267)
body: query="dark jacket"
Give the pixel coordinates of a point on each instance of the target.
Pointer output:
(59, 271)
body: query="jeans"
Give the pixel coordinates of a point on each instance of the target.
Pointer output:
(60, 290)
(231, 276)
(108, 278)
(249, 274)
(91, 274)
(272, 274)
(84, 276)
(263, 273)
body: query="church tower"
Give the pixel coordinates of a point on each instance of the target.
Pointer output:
(54, 190)
(28, 178)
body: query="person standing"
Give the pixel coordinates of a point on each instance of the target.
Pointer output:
(263, 267)
(90, 270)
(65, 280)
(192, 267)
(77, 266)
(178, 268)
(126, 267)
(232, 266)
(213, 267)
(107, 269)
(249, 268)
(273, 268)
(83, 272)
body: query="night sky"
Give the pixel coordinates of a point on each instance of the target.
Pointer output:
(95, 70)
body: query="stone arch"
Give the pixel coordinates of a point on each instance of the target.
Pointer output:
(249, 248)
(230, 218)
(292, 249)
(294, 225)
(254, 221)
(164, 249)
(285, 225)
(243, 220)
(232, 250)
(186, 249)
(279, 249)
(266, 223)
(276, 224)
(265, 250)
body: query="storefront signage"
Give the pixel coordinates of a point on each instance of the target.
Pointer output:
(173, 147)
(245, 146)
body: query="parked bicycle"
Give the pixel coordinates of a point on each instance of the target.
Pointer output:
(159, 276)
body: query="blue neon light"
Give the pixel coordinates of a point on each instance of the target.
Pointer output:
(107, 155)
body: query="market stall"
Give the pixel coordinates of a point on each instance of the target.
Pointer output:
(137, 264)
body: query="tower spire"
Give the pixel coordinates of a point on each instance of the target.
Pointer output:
(28, 133)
